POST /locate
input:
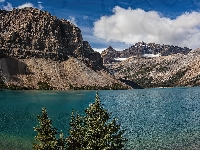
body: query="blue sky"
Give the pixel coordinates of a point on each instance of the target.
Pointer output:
(122, 23)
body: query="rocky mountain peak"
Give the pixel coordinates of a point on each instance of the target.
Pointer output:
(110, 48)
(140, 49)
(30, 32)
(110, 54)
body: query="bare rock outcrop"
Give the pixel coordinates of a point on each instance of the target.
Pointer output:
(140, 49)
(30, 32)
(40, 51)
(164, 71)
(40, 73)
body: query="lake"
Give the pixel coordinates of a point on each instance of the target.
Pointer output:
(153, 118)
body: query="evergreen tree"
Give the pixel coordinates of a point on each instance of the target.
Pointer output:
(75, 141)
(61, 142)
(93, 130)
(46, 137)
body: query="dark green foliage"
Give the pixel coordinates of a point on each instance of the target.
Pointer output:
(16, 87)
(61, 145)
(3, 85)
(194, 81)
(162, 69)
(44, 86)
(93, 130)
(117, 86)
(173, 81)
(144, 82)
(46, 138)
(114, 86)
(13, 86)
(147, 82)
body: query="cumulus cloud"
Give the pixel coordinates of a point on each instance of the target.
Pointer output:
(72, 20)
(1, 1)
(26, 5)
(130, 26)
(8, 7)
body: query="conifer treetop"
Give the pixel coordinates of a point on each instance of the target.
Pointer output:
(94, 131)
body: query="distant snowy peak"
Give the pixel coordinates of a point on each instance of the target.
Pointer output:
(151, 55)
(142, 49)
(145, 55)
(120, 59)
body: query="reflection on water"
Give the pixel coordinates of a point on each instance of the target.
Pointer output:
(154, 118)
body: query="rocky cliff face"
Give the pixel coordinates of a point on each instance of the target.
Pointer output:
(30, 32)
(164, 71)
(41, 73)
(39, 51)
(109, 54)
(141, 48)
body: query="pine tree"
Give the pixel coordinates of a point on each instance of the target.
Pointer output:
(93, 130)
(75, 141)
(61, 142)
(46, 137)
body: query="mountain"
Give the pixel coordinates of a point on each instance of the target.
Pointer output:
(40, 51)
(141, 49)
(30, 32)
(109, 54)
(164, 71)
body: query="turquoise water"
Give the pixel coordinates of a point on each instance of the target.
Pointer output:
(153, 118)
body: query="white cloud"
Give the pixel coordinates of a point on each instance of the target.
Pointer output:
(99, 49)
(31, 5)
(1, 1)
(131, 26)
(102, 49)
(26, 5)
(72, 20)
(100, 43)
(40, 5)
(8, 7)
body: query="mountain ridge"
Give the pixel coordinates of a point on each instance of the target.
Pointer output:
(31, 32)
(141, 48)
(165, 71)
(40, 51)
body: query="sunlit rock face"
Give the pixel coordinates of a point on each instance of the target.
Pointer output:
(162, 71)
(40, 51)
(142, 49)
(30, 32)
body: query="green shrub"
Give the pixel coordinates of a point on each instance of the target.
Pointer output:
(17, 87)
(3, 85)
(44, 86)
